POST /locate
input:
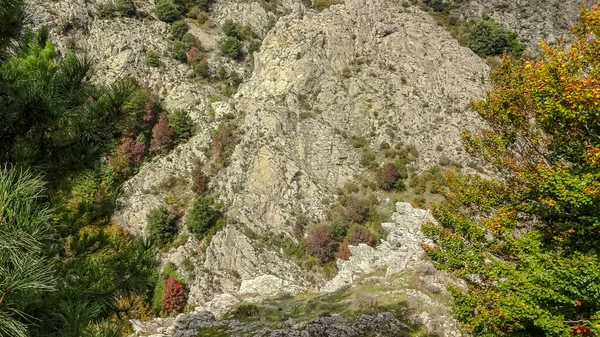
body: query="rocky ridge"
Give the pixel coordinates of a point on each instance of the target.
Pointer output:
(398, 265)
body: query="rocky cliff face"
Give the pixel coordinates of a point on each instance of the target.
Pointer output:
(395, 276)
(366, 68)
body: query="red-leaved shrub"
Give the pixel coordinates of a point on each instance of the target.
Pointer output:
(162, 135)
(173, 300)
(199, 181)
(193, 55)
(388, 176)
(343, 251)
(150, 116)
(359, 234)
(321, 243)
(134, 149)
(356, 209)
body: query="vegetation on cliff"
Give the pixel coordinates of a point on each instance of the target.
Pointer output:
(527, 243)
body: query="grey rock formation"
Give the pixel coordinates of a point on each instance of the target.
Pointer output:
(205, 324)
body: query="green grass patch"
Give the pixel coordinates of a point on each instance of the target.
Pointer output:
(159, 289)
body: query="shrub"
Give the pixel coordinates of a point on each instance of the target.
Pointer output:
(106, 10)
(202, 69)
(223, 143)
(162, 135)
(173, 300)
(161, 225)
(488, 38)
(152, 59)
(125, 7)
(343, 251)
(202, 216)
(356, 209)
(368, 158)
(134, 149)
(253, 47)
(321, 243)
(231, 47)
(388, 176)
(230, 29)
(181, 124)
(358, 234)
(167, 10)
(178, 29)
(193, 55)
(179, 51)
(365, 302)
(339, 231)
(199, 181)
(187, 5)
(245, 310)
(436, 5)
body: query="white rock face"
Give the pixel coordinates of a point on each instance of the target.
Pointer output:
(220, 305)
(266, 286)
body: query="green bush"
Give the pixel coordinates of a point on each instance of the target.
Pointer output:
(487, 38)
(161, 225)
(167, 10)
(125, 7)
(254, 46)
(230, 29)
(181, 124)
(202, 69)
(202, 216)
(178, 29)
(179, 51)
(436, 5)
(152, 59)
(105, 10)
(231, 47)
(186, 5)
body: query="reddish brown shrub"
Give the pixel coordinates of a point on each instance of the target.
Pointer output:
(359, 234)
(388, 176)
(193, 55)
(150, 116)
(173, 300)
(343, 251)
(199, 181)
(162, 135)
(134, 149)
(356, 209)
(321, 243)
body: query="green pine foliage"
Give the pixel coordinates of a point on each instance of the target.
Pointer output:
(203, 216)
(181, 124)
(67, 270)
(12, 18)
(161, 225)
(26, 272)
